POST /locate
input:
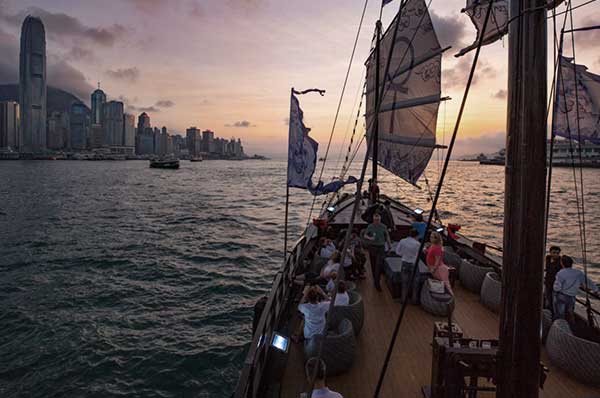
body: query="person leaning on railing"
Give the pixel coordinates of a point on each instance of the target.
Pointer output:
(566, 286)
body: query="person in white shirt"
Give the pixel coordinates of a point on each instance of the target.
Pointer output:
(333, 265)
(342, 297)
(408, 250)
(567, 283)
(316, 366)
(327, 248)
(313, 310)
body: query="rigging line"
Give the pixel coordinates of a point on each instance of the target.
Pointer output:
(581, 182)
(434, 204)
(364, 85)
(350, 118)
(570, 137)
(329, 198)
(337, 113)
(557, 47)
(357, 200)
(574, 8)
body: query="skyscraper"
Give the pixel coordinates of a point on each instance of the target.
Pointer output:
(128, 130)
(10, 125)
(32, 85)
(208, 144)
(113, 123)
(98, 101)
(56, 134)
(79, 121)
(143, 123)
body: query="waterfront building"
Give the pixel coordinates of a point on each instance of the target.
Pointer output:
(98, 101)
(156, 141)
(178, 143)
(113, 123)
(163, 146)
(79, 121)
(57, 137)
(194, 141)
(32, 85)
(96, 136)
(145, 142)
(128, 130)
(208, 141)
(10, 125)
(143, 122)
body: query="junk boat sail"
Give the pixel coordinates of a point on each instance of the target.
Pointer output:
(483, 335)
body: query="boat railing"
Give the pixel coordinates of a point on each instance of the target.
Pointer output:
(254, 365)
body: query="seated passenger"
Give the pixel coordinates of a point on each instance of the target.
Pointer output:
(314, 312)
(316, 367)
(327, 248)
(435, 261)
(333, 265)
(342, 298)
(331, 283)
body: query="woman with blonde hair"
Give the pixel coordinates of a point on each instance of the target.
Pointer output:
(435, 261)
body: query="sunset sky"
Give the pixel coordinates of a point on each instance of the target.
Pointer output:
(228, 65)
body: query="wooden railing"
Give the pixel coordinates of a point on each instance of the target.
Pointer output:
(251, 374)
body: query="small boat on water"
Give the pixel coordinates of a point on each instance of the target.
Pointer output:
(164, 164)
(196, 159)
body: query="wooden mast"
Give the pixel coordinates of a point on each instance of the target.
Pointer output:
(375, 143)
(524, 212)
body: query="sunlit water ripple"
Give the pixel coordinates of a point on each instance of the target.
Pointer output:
(120, 280)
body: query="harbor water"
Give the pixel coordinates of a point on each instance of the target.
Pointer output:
(120, 280)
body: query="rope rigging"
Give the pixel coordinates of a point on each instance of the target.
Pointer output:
(436, 198)
(337, 112)
(581, 182)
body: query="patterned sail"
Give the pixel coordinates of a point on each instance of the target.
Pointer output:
(411, 92)
(575, 85)
(497, 25)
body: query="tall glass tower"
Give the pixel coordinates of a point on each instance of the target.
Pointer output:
(98, 101)
(32, 85)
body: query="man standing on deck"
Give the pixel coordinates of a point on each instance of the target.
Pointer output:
(376, 236)
(566, 286)
(552, 268)
(408, 250)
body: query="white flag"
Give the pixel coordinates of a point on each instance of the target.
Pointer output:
(302, 150)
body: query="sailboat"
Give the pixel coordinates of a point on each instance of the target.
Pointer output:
(489, 340)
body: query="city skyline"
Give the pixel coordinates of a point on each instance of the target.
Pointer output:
(229, 65)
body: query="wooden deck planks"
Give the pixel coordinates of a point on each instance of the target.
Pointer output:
(410, 366)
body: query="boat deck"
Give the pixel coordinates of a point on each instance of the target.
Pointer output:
(410, 366)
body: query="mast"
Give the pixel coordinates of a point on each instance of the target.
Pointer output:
(524, 213)
(375, 144)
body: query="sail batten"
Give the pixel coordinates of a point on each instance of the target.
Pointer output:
(411, 92)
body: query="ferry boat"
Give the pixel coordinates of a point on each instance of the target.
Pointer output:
(565, 153)
(490, 335)
(164, 164)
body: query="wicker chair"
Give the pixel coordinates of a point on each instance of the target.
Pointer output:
(354, 312)
(338, 348)
(491, 292)
(546, 323)
(435, 303)
(471, 276)
(451, 258)
(578, 357)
